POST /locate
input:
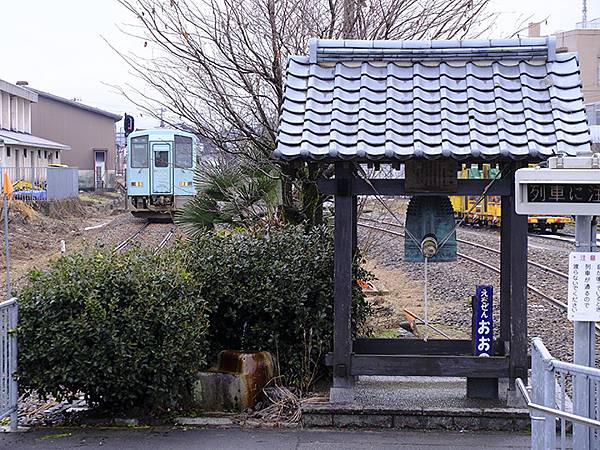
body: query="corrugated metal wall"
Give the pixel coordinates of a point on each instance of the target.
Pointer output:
(63, 182)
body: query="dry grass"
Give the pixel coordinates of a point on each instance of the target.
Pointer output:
(285, 404)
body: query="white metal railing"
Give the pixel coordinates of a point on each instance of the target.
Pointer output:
(548, 374)
(9, 313)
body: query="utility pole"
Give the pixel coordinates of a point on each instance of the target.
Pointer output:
(584, 14)
(162, 122)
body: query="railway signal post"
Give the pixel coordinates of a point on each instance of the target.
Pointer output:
(571, 185)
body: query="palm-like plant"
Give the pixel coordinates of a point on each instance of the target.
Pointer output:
(231, 193)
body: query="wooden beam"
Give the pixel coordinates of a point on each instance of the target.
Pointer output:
(505, 257)
(342, 308)
(396, 187)
(428, 365)
(412, 347)
(518, 292)
(354, 225)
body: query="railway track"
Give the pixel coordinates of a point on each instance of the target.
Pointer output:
(561, 237)
(483, 247)
(549, 299)
(127, 242)
(165, 240)
(124, 245)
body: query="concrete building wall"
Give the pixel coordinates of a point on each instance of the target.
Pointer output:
(21, 156)
(4, 110)
(83, 130)
(15, 113)
(586, 42)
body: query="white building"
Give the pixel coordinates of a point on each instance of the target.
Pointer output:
(25, 155)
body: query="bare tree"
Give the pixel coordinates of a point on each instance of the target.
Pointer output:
(220, 64)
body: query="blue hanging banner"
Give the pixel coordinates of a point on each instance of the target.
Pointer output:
(483, 322)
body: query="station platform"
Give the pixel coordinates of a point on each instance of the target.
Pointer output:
(424, 403)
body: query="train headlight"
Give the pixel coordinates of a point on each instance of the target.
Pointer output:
(185, 183)
(137, 183)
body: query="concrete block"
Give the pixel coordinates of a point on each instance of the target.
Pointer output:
(496, 424)
(521, 424)
(438, 423)
(317, 420)
(408, 421)
(453, 411)
(486, 388)
(214, 391)
(362, 421)
(235, 384)
(467, 423)
(515, 399)
(203, 421)
(341, 395)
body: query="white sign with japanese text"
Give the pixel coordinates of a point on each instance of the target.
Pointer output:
(584, 287)
(557, 191)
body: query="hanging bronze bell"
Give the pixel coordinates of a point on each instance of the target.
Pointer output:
(430, 220)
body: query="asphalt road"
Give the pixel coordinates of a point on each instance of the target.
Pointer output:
(235, 438)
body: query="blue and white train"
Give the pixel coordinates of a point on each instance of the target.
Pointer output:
(160, 171)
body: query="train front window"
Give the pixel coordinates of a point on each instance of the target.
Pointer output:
(139, 152)
(183, 152)
(161, 158)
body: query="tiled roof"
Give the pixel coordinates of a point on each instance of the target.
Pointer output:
(386, 100)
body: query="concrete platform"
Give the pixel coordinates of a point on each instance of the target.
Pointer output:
(428, 403)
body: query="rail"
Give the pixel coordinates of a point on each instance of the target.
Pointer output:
(9, 312)
(548, 374)
(165, 240)
(125, 244)
(544, 296)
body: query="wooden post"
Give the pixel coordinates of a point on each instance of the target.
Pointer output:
(354, 225)
(343, 243)
(518, 293)
(505, 257)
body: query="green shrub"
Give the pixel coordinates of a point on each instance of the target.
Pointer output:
(125, 329)
(272, 292)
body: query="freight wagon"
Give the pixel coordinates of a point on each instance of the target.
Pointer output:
(487, 212)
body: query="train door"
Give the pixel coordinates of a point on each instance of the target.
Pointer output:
(161, 168)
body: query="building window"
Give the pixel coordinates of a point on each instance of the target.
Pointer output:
(56, 155)
(8, 152)
(39, 153)
(24, 153)
(46, 154)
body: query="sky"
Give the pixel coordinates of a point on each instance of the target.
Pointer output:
(58, 46)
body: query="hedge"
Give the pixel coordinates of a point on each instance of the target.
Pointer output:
(132, 329)
(125, 329)
(273, 291)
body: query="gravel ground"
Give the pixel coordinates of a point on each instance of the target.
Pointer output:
(123, 227)
(452, 283)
